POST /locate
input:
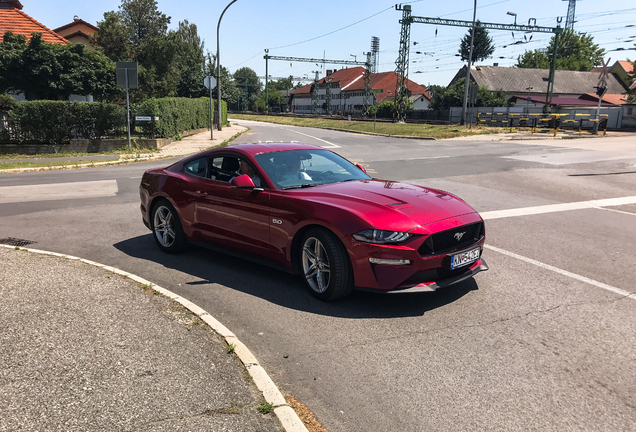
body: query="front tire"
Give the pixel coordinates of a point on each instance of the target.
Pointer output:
(325, 265)
(167, 229)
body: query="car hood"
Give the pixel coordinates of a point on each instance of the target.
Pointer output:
(390, 205)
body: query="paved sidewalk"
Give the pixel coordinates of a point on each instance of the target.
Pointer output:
(82, 348)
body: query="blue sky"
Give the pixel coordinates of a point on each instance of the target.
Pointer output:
(337, 29)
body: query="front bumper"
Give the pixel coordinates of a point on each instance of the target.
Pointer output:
(413, 265)
(479, 266)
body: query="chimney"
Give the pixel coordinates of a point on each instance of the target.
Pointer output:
(329, 72)
(10, 4)
(495, 64)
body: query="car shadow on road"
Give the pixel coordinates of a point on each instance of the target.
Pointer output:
(208, 268)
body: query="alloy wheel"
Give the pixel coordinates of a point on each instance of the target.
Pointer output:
(164, 226)
(316, 265)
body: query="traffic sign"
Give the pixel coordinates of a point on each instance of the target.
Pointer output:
(121, 68)
(209, 82)
(377, 91)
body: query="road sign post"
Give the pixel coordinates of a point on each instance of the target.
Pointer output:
(375, 105)
(126, 73)
(209, 82)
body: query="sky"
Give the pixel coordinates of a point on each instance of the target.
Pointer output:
(340, 30)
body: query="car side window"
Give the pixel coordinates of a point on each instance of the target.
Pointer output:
(223, 168)
(196, 167)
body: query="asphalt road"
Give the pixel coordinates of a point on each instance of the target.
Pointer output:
(545, 340)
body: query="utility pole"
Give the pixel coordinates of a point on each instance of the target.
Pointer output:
(268, 57)
(266, 83)
(315, 95)
(402, 65)
(569, 21)
(367, 86)
(402, 62)
(470, 62)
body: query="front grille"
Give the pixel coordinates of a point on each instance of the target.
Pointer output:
(434, 275)
(447, 241)
(15, 242)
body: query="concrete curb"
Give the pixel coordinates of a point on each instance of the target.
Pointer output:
(286, 415)
(89, 165)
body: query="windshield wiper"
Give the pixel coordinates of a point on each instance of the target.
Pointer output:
(304, 185)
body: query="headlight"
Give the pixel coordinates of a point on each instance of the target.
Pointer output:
(380, 236)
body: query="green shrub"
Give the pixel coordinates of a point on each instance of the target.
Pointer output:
(56, 122)
(6, 102)
(176, 115)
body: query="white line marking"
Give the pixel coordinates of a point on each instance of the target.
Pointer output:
(58, 191)
(331, 145)
(422, 158)
(617, 211)
(551, 208)
(565, 273)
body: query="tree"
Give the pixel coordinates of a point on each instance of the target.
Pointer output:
(631, 93)
(482, 45)
(191, 61)
(274, 97)
(576, 51)
(453, 96)
(171, 63)
(229, 91)
(42, 70)
(282, 84)
(247, 80)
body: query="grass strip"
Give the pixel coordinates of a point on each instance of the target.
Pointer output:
(16, 165)
(384, 128)
(122, 152)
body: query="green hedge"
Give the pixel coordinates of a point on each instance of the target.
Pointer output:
(176, 115)
(56, 122)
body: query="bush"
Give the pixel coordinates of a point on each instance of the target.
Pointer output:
(6, 102)
(56, 122)
(176, 115)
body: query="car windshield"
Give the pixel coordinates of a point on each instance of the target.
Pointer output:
(306, 168)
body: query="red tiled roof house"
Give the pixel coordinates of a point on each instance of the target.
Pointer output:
(347, 92)
(14, 20)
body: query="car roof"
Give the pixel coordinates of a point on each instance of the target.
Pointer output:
(257, 148)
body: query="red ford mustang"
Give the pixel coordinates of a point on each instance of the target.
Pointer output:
(310, 211)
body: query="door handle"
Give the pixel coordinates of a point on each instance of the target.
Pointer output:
(202, 193)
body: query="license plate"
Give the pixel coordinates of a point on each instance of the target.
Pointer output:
(464, 258)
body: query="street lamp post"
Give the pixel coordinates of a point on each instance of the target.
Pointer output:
(218, 67)
(514, 15)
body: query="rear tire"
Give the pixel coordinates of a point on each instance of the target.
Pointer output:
(167, 229)
(325, 265)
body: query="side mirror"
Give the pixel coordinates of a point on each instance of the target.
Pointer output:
(361, 168)
(242, 182)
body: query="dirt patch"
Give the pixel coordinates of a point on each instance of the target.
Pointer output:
(306, 416)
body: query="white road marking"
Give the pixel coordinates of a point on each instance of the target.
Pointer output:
(552, 208)
(617, 211)
(58, 191)
(331, 145)
(431, 157)
(565, 273)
